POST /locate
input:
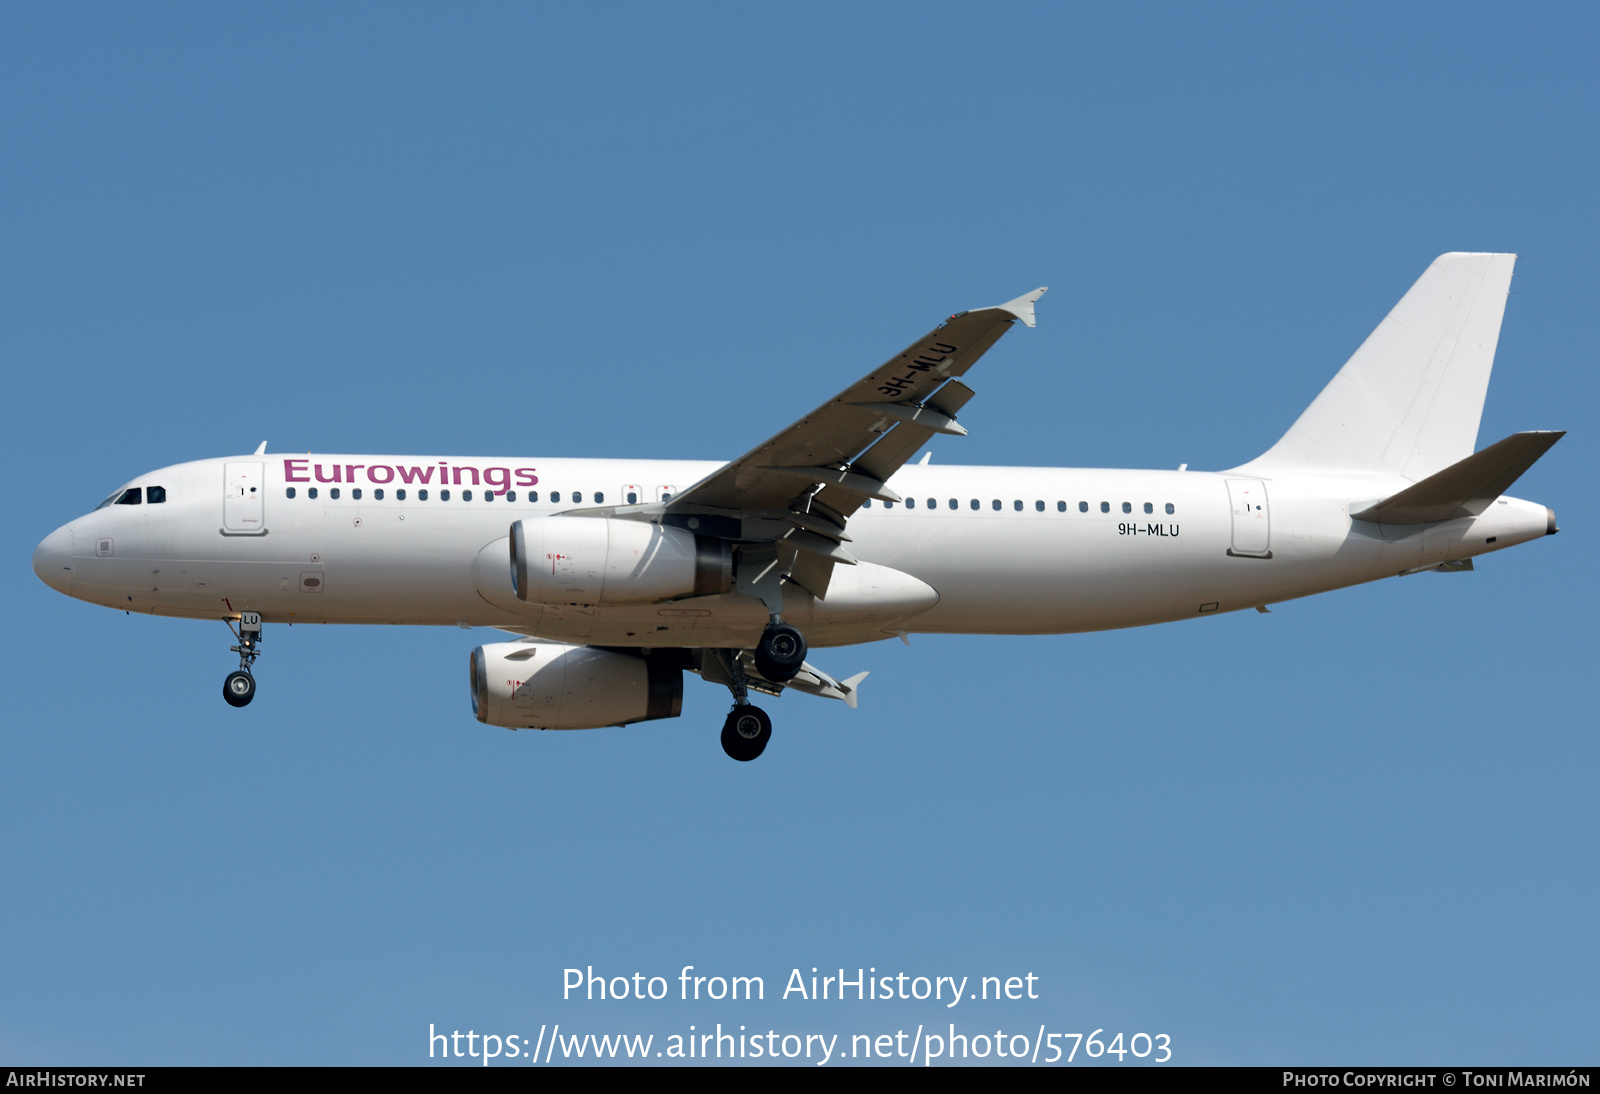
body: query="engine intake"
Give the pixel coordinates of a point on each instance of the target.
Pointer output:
(599, 560)
(547, 685)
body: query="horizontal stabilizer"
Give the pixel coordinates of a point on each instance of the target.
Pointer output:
(813, 681)
(1465, 488)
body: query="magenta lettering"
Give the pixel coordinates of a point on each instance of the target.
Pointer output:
(473, 471)
(498, 477)
(323, 478)
(415, 474)
(372, 473)
(350, 471)
(293, 473)
(526, 477)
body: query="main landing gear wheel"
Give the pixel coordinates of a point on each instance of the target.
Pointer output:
(746, 732)
(239, 688)
(781, 652)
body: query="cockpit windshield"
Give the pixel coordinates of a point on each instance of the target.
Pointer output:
(133, 495)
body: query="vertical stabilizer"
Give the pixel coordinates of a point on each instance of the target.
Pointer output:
(1409, 401)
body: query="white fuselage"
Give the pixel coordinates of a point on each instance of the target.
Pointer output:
(1007, 550)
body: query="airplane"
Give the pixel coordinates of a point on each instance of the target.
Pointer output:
(617, 576)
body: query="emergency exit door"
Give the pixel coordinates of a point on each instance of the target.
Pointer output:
(1252, 518)
(244, 489)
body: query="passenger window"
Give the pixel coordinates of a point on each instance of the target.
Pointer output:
(444, 495)
(1148, 508)
(954, 504)
(533, 495)
(933, 503)
(888, 505)
(1061, 507)
(1105, 507)
(633, 497)
(400, 495)
(555, 495)
(356, 494)
(867, 504)
(1127, 507)
(911, 503)
(155, 495)
(1017, 505)
(130, 496)
(1083, 507)
(289, 493)
(1170, 509)
(996, 505)
(488, 495)
(311, 492)
(511, 495)
(975, 503)
(377, 495)
(466, 495)
(599, 498)
(334, 493)
(1039, 505)
(422, 495)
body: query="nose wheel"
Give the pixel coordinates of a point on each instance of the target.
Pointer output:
(240, 686)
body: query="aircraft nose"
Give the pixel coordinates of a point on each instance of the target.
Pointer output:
(52, 560)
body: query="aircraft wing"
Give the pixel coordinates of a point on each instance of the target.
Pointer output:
(853, 442)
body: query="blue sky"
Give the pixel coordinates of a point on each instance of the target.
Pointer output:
(1358, 829)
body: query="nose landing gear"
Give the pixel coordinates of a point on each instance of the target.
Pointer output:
(240, 687)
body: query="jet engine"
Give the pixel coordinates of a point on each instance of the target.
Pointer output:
(599, 560)
(547, 685)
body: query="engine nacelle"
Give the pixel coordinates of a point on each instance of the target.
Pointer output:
(546, 685)
(599, 560)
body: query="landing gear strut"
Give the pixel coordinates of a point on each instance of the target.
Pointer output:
(747, 729)
(240, 687)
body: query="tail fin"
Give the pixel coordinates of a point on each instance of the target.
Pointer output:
(1409, 401)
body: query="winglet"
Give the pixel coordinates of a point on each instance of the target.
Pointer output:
(1022, 306)
(262, 447)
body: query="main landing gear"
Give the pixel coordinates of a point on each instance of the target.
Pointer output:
(747, 729)
(781, 651)
(778, 657)
(746, 732)
(240, 687)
